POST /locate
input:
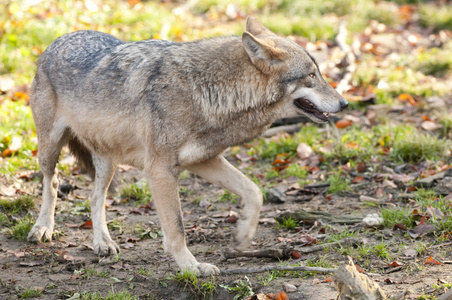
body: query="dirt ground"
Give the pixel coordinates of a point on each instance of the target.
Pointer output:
(67, 266)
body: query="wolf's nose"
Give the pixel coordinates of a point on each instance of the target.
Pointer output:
(344, 104)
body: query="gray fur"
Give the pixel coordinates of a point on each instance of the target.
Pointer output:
(164, 107)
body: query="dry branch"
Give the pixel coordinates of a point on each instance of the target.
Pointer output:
(279, 268)
(285, 253)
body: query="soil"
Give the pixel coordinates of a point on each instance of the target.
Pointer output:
(67, 265)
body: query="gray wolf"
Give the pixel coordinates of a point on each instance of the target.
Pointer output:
(165, 107)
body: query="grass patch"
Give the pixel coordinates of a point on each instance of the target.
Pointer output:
(19, 205)
(241, 289)
(138, 191)
(20, 230)
(338, 183)
(288, 223)
(112, 295)
(419, 146)
(398, 215)
(226, 196)
(202, 289)
(30, 293)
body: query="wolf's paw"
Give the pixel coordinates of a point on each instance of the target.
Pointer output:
(105, 247)
(202, 269)
(40, 232)
(243, 236)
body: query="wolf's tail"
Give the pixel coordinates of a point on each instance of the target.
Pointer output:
(83, 156)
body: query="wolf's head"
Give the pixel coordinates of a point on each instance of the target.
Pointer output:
(304, 89)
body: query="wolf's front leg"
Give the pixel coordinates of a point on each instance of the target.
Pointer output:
(165, 192)
(219, 171)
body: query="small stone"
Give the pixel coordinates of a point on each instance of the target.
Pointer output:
(274, 195)
(429, 181)
(372, 221)
(289, 288)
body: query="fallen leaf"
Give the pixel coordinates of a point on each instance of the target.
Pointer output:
(358, 179)
(395, 264)
(431, 261)
(329, 279)
(343, 123)
(430, 126)
(361, 168)
(400, 226)
(295, 254)
(31, 263)
(359, 269)
(87, 225)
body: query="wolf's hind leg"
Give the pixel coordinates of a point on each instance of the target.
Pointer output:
(50, 142)
(165, 193)
(104, 170)
(219, 171)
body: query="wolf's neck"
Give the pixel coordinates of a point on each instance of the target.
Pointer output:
(229, 83)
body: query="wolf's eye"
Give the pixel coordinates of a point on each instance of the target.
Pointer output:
(312, 75)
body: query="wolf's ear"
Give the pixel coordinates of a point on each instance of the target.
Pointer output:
(264, 54)
(256, 28)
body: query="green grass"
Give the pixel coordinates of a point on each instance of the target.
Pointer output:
(381, 250)
(338, 183)
(440, 17)
(16, 124)
(19, 205)
(201, 289)
(226, 196)
(112, 295)
(419, 146)
(288, 223)
(398, 215)
(241, 289)
(138, 191)
(30, 293)
(21, 228)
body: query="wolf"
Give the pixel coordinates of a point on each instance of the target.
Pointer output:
(165, 107)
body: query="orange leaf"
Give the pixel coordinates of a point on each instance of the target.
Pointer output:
(329, 279)
(431, 261)
(394, 264)
(295, 254)
(87, 225)
(405, 97)
(351, 146)
(425, 118)
(343, 123)
(361, 168)
(358, 179)
(7, 152)
(412, 189)
(359, 269)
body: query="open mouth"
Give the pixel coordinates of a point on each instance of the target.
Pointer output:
(310, 108)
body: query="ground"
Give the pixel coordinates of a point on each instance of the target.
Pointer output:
(388, 155)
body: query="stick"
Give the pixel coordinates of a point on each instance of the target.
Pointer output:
(285, 253)
(317, 186)
(267, 253)
(345, 242)
(280, 268)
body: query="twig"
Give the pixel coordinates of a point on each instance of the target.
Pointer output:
(267, 253)
(317, 186)
(280, 268)
(441, 245)
(285, 253)
(345, 242)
